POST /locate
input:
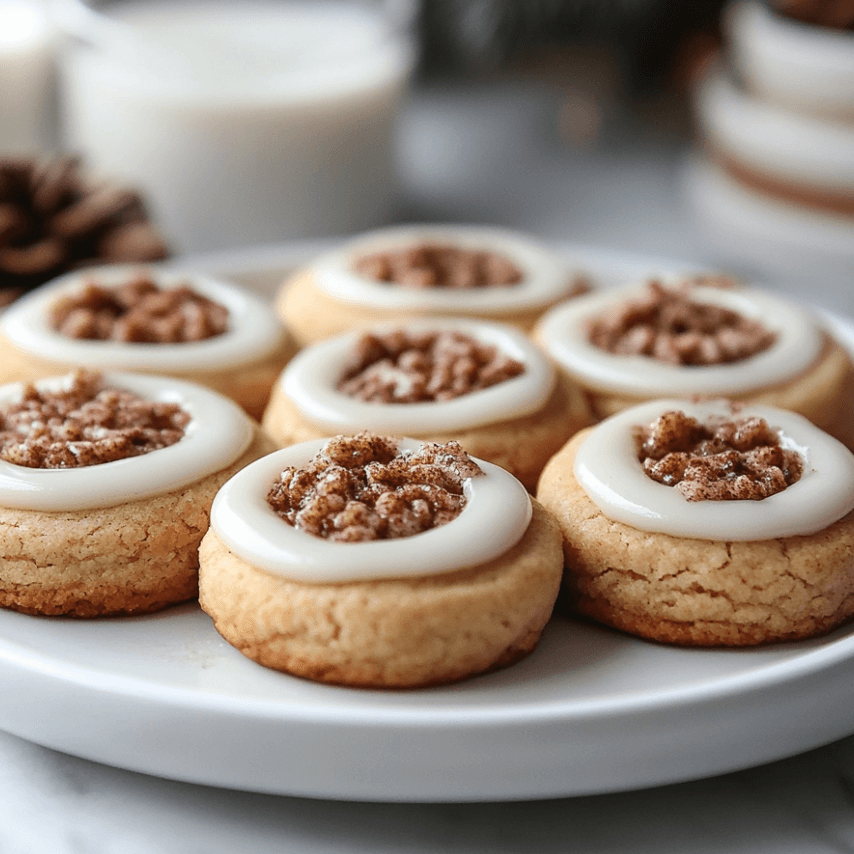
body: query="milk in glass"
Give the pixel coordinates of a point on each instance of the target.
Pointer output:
(26, 78)
(241, 122)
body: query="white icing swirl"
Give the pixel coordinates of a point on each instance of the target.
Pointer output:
(218, 433)
(310, 380)
(608, 469)
(546, 277)
(253, 332)
(494, 519)
(563, 333)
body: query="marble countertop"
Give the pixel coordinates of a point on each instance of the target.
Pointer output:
(489, 154)
(51, 803)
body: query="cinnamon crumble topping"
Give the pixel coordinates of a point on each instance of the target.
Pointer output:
(724, 281)
(665, 324)
(85, 423)
(722, 460)
(140, 312)
(362, 488)
(408, 367)
(433, 265)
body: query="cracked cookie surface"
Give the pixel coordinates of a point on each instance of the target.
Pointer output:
(697, 592)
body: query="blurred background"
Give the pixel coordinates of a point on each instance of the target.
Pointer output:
(640, 126)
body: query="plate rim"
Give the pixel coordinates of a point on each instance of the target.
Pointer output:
(826, 654)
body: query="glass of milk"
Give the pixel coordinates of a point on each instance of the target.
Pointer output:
(242, 121)
(26, 78)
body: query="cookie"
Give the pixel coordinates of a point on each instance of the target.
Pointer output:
(484, 385)
(147, 319)
(441, 596)
(686, 559)
(639, 342)
(409, 272)
(87, 531)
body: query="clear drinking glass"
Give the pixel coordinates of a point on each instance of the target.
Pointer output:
(26, 78)
(242, 121)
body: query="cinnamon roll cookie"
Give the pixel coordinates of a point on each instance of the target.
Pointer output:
(402, 273)
(706, 524)
(106, 483)
(378, 562)
(146, 319)
(484, 385)
(640, 342)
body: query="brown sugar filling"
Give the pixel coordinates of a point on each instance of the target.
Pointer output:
(410, 367)
(362, 488)
(85, 423)
(722, 460)
(667, 325)
(433, 265)
(723, 281)
(140, 312)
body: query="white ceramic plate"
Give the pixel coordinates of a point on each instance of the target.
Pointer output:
(590, 711)
(768, 234)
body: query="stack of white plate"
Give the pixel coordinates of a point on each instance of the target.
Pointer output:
(774, 182)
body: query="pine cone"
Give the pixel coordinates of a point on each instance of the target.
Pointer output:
(53, 220)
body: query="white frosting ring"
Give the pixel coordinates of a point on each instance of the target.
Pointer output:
(217, 435)
(806, 150)
(495, 517)
(810, 68)
(798, 343)
(254, 332)
(546, 277)
(608, 469)
(310, 378)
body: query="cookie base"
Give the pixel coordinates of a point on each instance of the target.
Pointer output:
(247, 385)
(521, 445)
(822, 393)
(312, 315)
(133, 558)
(697, 592)
(396, 633)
